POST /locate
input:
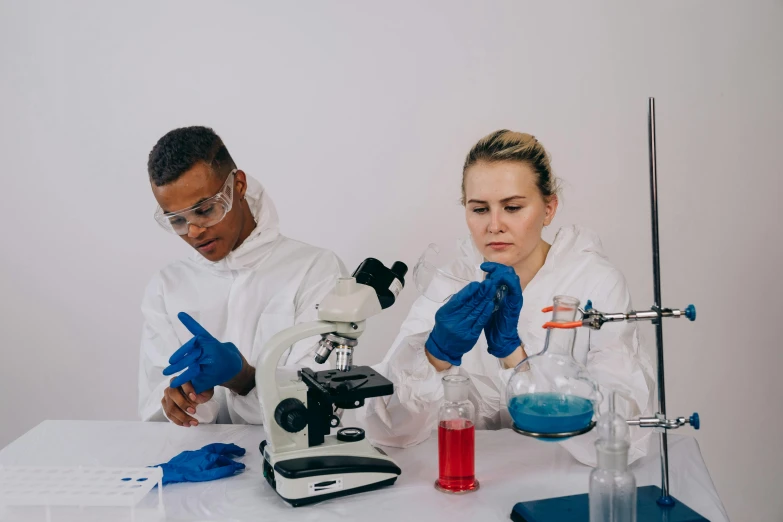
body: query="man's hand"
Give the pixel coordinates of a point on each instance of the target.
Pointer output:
(207, 362)
(179, 402)
(244, 382)
(199, 398)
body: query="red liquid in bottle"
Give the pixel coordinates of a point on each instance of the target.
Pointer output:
(456, 455)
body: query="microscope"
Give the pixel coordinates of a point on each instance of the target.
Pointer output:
(302, 461)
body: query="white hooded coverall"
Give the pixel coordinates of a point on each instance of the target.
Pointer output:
(267, 284)
(575, 266)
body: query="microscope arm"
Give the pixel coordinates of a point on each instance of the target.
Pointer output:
(266, 381)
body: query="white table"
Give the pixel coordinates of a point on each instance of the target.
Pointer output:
(511, 468)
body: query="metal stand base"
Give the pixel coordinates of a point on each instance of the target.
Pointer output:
(576, 508)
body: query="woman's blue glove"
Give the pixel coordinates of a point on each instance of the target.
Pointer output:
(211, 462)
(459, 322)
(209, 362)
(502, 330)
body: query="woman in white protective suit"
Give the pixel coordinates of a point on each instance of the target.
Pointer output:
(207, 317)
(510, 195)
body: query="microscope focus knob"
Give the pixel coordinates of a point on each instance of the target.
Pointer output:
(291, 415)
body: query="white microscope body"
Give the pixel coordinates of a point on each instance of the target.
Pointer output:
(302, 461)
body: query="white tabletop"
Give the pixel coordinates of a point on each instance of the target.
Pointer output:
(511, 468)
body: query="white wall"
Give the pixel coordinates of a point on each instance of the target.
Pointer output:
(328, 102)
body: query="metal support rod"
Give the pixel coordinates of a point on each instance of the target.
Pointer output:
(665, 498)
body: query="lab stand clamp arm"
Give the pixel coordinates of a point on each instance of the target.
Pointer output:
(666, 424)
(595, 319)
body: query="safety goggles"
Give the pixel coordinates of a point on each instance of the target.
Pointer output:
(436, 284)
(433, 283)
(203, 215)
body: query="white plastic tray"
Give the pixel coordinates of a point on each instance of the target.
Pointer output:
(77, 486)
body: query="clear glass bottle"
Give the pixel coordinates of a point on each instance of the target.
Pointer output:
(456, 438)
(551, 396)
(612, 490)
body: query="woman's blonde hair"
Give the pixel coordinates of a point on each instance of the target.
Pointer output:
(506, 145)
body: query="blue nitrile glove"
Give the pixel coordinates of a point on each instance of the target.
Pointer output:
(209, 362)
(211, 462)
(502, 330)
(459, 322)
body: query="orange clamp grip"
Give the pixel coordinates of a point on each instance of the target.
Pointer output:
(551, 324)
(552, 308)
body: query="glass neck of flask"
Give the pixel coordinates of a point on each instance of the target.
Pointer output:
(560, 341)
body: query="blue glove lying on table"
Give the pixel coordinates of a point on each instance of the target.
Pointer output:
(211, 462)
(209, 362)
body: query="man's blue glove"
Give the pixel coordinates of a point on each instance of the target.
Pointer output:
(209, 362)
(211, 462)
(459, 322)
(502, 330)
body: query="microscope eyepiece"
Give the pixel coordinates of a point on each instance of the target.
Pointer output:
(387, 282)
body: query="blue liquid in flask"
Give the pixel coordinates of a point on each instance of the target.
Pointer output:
(551, 412)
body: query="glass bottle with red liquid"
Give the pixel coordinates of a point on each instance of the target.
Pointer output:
(456, 438)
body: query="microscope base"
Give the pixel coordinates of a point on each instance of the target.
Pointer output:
(332, 469)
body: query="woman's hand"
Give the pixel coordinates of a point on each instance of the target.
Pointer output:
(502, 330)
(459, 322)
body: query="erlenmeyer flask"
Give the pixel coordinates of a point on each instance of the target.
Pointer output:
(550, 395)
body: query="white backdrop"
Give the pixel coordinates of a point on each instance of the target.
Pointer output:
(357, 118)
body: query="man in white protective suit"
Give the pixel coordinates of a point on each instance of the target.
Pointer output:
(207, 317)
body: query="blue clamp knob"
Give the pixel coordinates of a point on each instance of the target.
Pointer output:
(690, 312)
(588, 305)
(694, 420)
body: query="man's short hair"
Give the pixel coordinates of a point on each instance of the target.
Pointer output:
(180, 149)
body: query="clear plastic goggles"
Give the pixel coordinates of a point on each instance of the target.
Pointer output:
(432, 282)
(438, 285)
(203, 215)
